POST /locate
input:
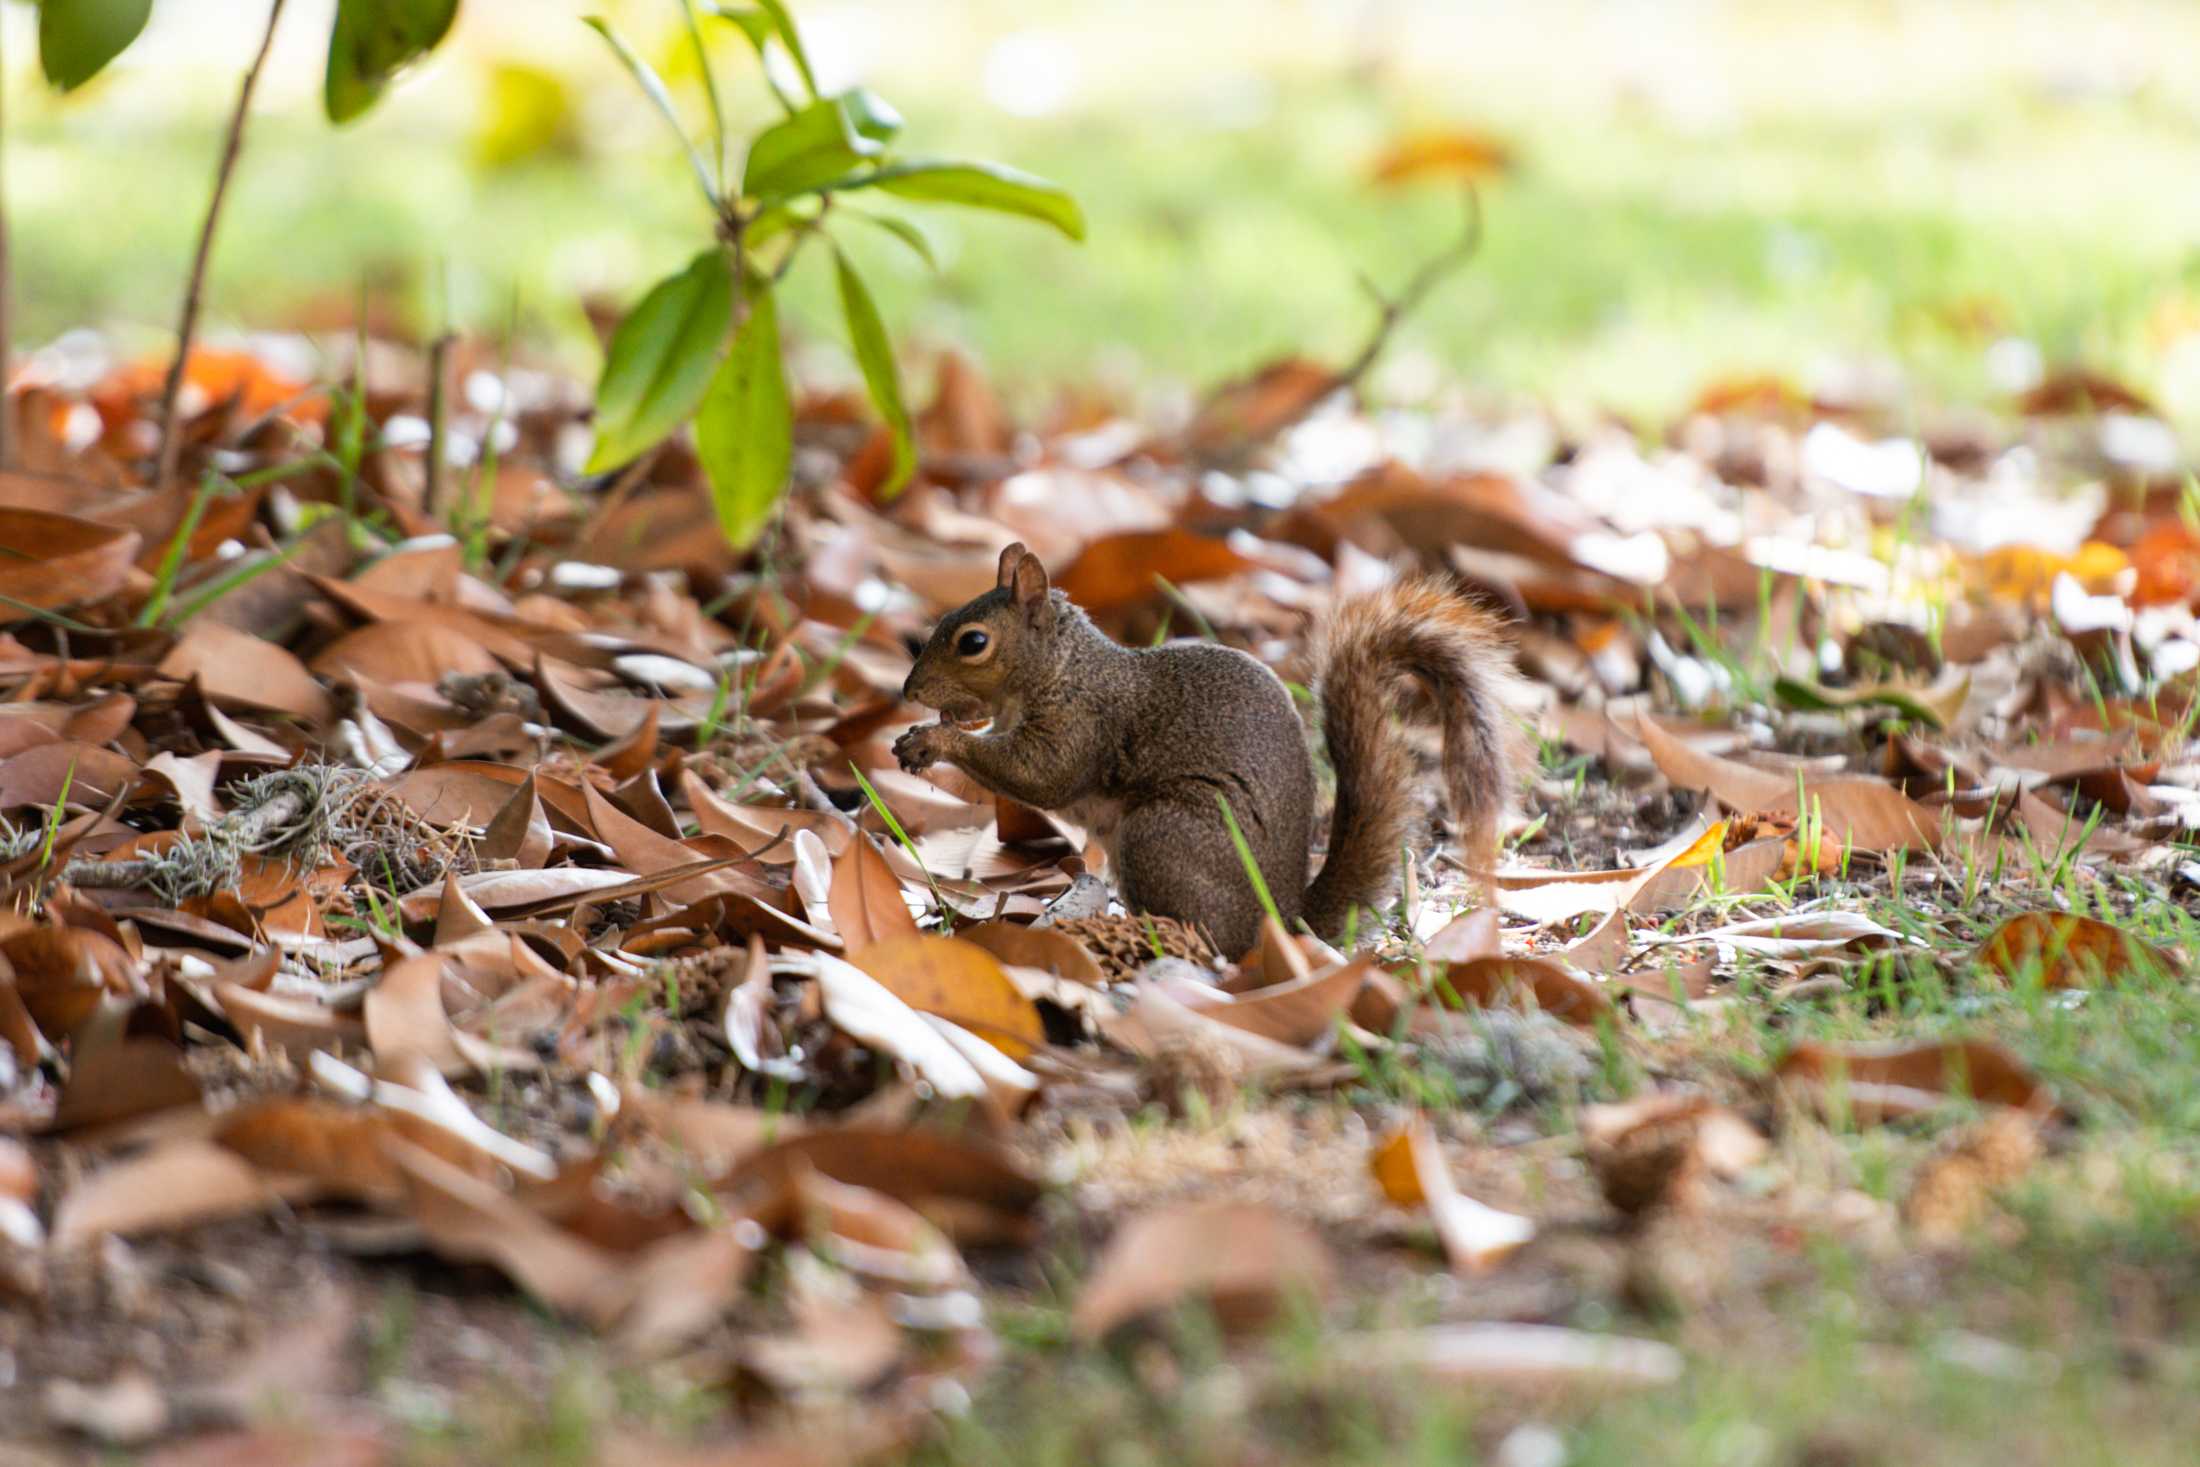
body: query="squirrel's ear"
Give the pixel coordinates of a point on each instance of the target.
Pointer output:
(1011, 558)
(1030, 583)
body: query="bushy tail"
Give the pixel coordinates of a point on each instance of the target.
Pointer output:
(1361, 649)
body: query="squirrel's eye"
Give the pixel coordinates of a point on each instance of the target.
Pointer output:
(971, 643)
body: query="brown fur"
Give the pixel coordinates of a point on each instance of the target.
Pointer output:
(1138, 743)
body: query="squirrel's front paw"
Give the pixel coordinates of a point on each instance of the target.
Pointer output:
(923, 746)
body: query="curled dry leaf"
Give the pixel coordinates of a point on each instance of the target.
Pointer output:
(175, 1185)
(1046, 948)
(1186, 1047)
(405, 1015)
(961, 983)
(873, 1235)
(472, 1220)
(865, 897)
(55, 560)
(1800, 935)
(2071, 951)
(1243, 1261)
(519, 832)
(870, 1013)
(64, 974)
(234, 669)
(1301, 1011)
(1125, 569)
(978, 1193)
(1866, 814)
(1889, 1081)
(1653, 1151)
(1660, 886)
(1409, 1167)
(1525, 982)
(762, 829)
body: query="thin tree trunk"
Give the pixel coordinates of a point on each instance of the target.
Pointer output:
(170, 444)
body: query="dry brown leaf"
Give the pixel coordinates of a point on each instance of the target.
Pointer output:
(296, 1026)
(865, 898)
(1122, 570)
(405, 1015)
(235, 669)
(2071, 951)
(764, 829)
(1046, 948)
(471, 1220)
(1301, 1012)
(90, 776)
(55, 560)
(1654, 1150)
(1409, 1167)
(64, 974)
(872, 1014)
(519, 832)
(959, 981)
(1243, 1261)
(1866, 814)
(1523, 982)
(976, 1191)
(1888, 1081)
(176, 1185)
(1469, 935)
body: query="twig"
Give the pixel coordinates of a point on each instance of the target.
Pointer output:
(170, 446)
(1389, 312)
(439, 367)
(1393, 309)
(7, 322)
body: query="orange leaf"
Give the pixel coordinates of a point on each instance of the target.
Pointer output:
(1459, 154)
(961, 983)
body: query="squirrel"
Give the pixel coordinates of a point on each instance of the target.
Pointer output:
(1137, 744)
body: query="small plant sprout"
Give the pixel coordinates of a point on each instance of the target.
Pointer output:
(669, 362)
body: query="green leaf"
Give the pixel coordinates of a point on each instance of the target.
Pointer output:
(744, 433)
(653, 86)
(371, 42)
(905, 230)
(77, 38)
(660, 360)
(875, 355)
(762, 21)
(979, 186)
(816, 146)
(871, 114)
(710, 84)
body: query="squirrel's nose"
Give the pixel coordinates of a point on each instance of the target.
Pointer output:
(909, 687)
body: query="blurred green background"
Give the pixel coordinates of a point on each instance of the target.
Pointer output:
(1950, 191)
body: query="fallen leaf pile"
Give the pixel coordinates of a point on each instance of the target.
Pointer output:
(523, 880)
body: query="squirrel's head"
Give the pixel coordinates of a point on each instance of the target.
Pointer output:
(979, 652)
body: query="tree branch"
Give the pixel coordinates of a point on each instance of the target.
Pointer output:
(170, 444)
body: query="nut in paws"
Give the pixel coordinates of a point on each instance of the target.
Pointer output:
(922, 747)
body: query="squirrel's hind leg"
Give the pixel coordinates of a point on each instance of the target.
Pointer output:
(1177, 861)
